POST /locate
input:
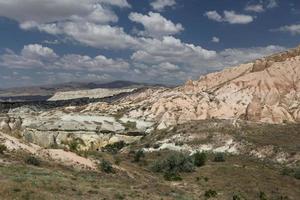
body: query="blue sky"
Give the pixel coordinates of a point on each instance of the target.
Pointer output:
(156, 41)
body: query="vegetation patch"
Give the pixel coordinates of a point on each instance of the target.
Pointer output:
(32, 160)
(106, 166)
(210, 194)
(200, 159)
(173, 165)
(138, 156)
(219, 157)
(114, 148)
(3, 148)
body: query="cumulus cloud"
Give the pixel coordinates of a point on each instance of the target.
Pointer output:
(215, 39)
(94, 35)
(293, 29)
(35, 56)
(255, 8)
(151, 64)
(160, 5)
(59, 10)
(272, 4)
(155, 25)
(229, 16)
(170, 49)
(86, 21)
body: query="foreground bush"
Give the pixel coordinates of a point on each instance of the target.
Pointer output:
(138, 155)
(210, 194)
(297, 173)
(106, 166)
(31, 160)
(219, 157)
(200, 159)
(2, 148)
(173, 165)
(115, 147)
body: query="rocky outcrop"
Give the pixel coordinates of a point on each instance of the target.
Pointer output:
(266, 90)
(84, 130)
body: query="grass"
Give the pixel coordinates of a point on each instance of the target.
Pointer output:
(237, 176)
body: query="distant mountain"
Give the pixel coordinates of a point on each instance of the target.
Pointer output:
(34, 93)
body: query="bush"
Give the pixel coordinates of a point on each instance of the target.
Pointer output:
(173, 164)
(138, 155)
(172, 176)
(117, 160)
(2, 148)
(115, 147)
(262, 196)
(129, 125)
(200, 159)
(74, 144)
(287, 171)
(210, 193)
(219, 157)
(237, 197)
(106, 166)
(31, 160)
(297, 173)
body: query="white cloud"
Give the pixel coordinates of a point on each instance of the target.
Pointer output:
(230, 17)
(214, 15)
(58, 10)
(86, 21)
(35, 56)
(272, 4)
(38, 51)
(255, 8)
(119, 3)
(94, 35)
(294, 29)
(160, 5)
(170, 49)
(151, 63)
(155, 25)
(215, 39)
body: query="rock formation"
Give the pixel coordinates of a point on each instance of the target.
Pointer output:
(266, 90)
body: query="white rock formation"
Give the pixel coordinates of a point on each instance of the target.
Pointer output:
(94, 93)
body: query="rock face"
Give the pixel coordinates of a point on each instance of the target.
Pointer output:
(88, 130)
(266, 90)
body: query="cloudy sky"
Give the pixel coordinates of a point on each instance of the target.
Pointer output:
(156, 41)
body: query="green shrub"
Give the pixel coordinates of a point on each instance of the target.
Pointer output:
(138, 155)
(115, 147)
(106, 166)
(2, 148)
(262, 196)
(237, 197)
(74, 144)
(173, 164)
(117, 160)
(219, 157)
(200, 159)
(297, 173)
(172, 176)
(287, 171)
(129, 125)
(210, 194)
(31, 160)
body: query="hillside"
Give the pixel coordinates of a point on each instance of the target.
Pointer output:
(232, 134)
(266, 90)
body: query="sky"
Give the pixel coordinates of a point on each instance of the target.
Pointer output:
(154, 41)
